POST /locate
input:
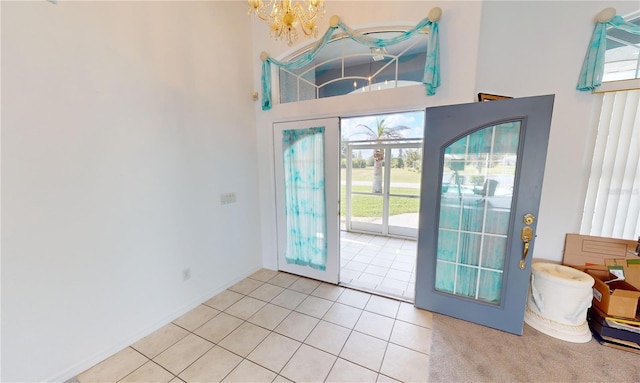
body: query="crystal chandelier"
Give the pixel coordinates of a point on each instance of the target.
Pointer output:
(284, 16)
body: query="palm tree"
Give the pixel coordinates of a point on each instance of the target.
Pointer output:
(380, 133)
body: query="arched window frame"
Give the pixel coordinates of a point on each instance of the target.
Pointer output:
(431, 77)
(300, 85)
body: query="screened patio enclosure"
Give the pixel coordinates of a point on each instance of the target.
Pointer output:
(380, 175)
(381, 161)
(380, 191)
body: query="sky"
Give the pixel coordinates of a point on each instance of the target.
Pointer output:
(413, 120)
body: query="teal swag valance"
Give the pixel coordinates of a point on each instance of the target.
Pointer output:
(431, 77)
(593, 66)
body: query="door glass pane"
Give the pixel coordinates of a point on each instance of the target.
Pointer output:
(403, 211)
(405, 171)
(475, 205)
(367, 171)
(366, 208)
(367, 184)
(404, 189)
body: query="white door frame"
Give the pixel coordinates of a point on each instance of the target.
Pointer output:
(332, 193)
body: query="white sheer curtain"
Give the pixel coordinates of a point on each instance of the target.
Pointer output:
(612, 205)
(305, 197)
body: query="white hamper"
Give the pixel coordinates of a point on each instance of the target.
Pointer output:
(558, 300)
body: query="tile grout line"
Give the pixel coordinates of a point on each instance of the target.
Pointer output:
(278, 373)
(273, 331)
(221, 340)
(333, 301)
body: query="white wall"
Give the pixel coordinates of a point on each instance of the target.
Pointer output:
(122, 123)
(537, 47)
(516, 48)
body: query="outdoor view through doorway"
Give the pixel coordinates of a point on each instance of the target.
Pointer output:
(381, 158)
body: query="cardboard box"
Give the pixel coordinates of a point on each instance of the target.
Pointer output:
(584, 250)
(593, 255)
(615, 298)
(630, 268)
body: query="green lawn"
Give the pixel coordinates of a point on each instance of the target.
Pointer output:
(397, 175)
(394, 190)
(371, 205)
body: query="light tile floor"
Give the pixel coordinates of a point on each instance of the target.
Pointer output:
(380, 264)
(277, 327)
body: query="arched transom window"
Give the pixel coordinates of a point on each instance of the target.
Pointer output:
(344, 66)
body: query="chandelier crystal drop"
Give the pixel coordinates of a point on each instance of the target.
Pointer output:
(284, 17)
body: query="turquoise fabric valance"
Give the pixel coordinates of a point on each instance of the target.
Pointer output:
(431, 77)
(593, 66)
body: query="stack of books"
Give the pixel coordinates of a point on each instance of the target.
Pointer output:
(616, 332)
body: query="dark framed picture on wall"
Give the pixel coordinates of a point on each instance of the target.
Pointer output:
(491, 97)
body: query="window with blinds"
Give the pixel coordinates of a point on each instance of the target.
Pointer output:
(612, 204)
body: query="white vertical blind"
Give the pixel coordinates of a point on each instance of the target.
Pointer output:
(612, 205)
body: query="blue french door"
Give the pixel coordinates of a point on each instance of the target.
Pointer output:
(483, 166)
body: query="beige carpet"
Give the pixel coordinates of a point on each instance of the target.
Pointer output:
(466, 352)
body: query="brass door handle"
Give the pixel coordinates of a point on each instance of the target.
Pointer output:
(523, 261)
(526, 235)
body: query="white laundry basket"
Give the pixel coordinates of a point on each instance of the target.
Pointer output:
(559, 297)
